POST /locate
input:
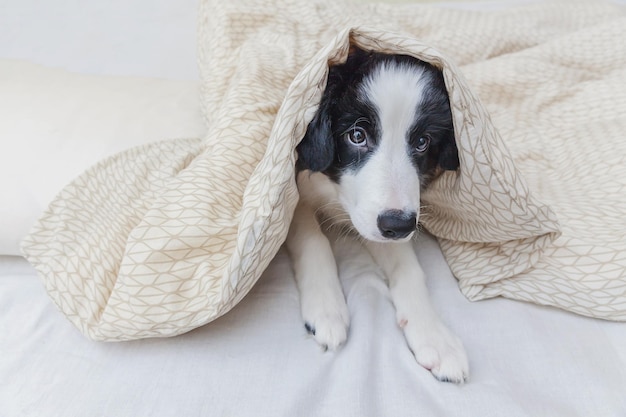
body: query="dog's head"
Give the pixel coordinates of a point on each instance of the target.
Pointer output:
(382, 132)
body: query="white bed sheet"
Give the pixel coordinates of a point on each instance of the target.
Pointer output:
(257, 360)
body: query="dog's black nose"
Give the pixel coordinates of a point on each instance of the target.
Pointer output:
(396, 224)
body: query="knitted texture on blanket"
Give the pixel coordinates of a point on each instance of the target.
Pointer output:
(162, 239)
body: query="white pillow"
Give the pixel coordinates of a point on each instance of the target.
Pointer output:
(55, 124)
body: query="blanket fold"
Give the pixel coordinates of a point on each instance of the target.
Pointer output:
(162, 239)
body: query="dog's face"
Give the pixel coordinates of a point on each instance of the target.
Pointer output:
(382, 132)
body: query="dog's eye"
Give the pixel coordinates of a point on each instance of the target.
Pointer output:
(357, 136)
(422, 144)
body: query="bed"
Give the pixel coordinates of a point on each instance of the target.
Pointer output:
(89, 80)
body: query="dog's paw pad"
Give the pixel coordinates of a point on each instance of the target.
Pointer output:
(441, 353)
(328, 328)
(449, 366)
(330, 331)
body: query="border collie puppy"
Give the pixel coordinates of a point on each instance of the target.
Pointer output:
(382, 132)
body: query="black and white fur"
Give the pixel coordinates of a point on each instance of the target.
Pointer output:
(382, 132)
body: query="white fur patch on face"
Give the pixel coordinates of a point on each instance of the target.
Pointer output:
(396, 91)
(388, 180)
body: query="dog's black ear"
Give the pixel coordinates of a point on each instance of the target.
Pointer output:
(448, 153)
(316, 151)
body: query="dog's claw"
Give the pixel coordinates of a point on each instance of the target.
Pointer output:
(309, 329)
(441, 378)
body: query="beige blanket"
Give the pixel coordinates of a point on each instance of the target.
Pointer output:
(162, 239)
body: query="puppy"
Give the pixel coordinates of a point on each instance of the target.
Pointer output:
(383, 131)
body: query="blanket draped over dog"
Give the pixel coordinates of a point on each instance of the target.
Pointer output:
(164, 238)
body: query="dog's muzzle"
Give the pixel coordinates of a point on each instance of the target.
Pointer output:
(396, 224)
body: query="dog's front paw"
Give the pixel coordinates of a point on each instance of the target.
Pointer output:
(438, 350)
(327, 322)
